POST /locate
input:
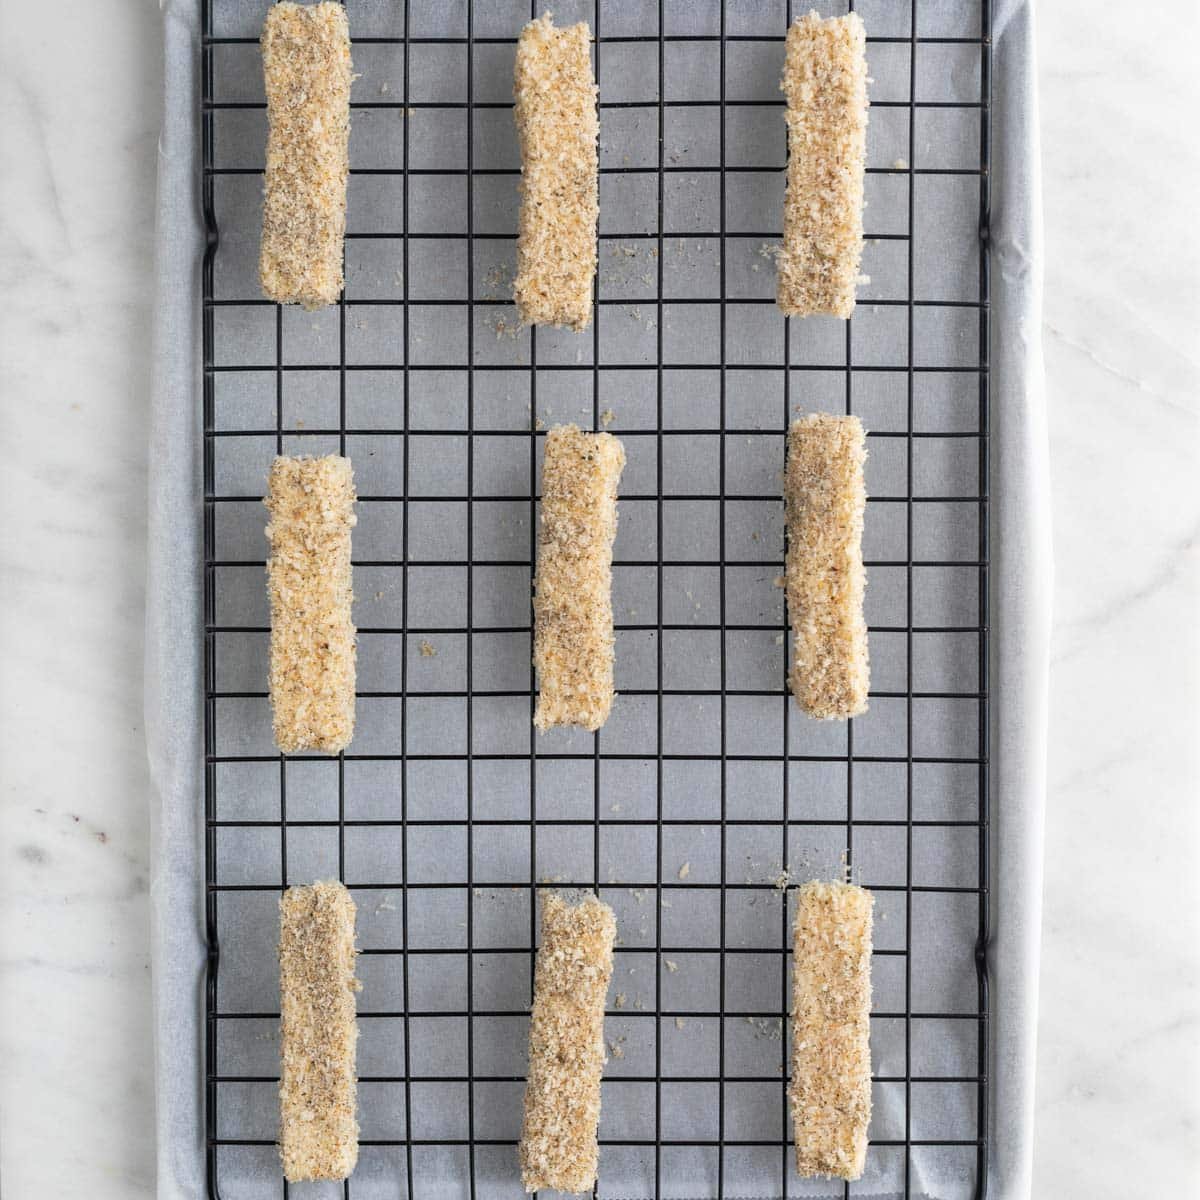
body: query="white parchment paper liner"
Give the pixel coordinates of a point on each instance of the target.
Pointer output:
(1020, 576)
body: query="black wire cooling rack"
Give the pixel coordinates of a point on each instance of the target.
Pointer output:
(448, 810)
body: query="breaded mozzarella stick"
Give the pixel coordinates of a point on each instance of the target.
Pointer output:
(307, 71)
(830, 1091)
(311, 502)
(557, 125)
(573, 619)
(566, 1045)
(825, 79)
(825, 499)
(318, 1132)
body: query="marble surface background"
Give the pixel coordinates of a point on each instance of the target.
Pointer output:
(1119, 1066)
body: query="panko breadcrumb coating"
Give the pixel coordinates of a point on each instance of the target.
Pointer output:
(566, 1045)
(557, 125)
(318, 1131)
(311, 502)
(825, 80)
(307, 71)
(573, 618)
(825, 499)
(831, 1029)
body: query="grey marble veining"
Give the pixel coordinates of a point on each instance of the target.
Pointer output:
(1118, 1038)
(79, 93)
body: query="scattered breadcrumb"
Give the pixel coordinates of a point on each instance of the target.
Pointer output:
(573, 630)
(307, 73)
(566, 1045)
(501, 325)
(766, 1028)
(498, 282)
(830, 1089)
(318, 1129)
(428, 650)
(900, 165)
(312, 669)
(671, 966)
(607, 417)
(825, 81)
(557, 125)
(679, 1022)
(685, 870)
(825, 499)
(620, 1001)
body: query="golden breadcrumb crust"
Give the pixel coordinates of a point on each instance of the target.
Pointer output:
(830, 1090)
(311, 502)
(318, 1132)
(566, 1045)
(573, 619)
(557, 125)
(825, 499)
(825, 80)
(307, 71)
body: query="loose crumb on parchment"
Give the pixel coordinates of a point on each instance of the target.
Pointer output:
(318, 1129)
(557, 125)
(312, 667)
(307, 72)
(825, 498)
(573, 617)
(830, 1089)
(825, 81)
(566, 1045)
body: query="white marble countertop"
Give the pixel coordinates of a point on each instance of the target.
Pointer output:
(1118, 1053)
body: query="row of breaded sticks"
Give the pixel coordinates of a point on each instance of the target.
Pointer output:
(312, 654)
(306, 60)
(830, 1091)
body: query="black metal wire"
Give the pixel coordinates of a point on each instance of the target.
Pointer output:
(983, 789)
(477, 826)
(908, 600)
(405, 949)
(212, 965)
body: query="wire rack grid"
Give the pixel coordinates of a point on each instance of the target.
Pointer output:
(707, 788)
